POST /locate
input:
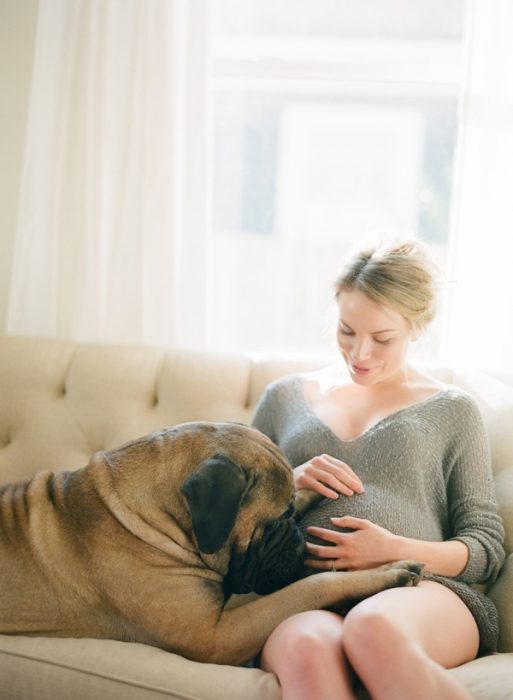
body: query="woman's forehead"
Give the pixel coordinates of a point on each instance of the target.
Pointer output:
(355, 307)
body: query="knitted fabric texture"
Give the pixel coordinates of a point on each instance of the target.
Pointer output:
(427, 475)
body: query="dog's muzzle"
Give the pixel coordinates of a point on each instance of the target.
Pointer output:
(273, 561)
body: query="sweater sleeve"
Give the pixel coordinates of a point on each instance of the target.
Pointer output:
(263, 417)
(473, 509)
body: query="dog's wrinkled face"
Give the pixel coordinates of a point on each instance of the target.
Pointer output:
(240, 502)
(273, 560)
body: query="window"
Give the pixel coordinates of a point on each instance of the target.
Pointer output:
(333, 120)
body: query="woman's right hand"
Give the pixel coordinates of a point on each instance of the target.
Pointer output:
(328, 476)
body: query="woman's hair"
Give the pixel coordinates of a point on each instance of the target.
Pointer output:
(399, 276)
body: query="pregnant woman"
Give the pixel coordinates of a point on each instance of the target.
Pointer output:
(404, 464)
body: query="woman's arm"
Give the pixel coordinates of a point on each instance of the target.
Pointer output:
(472, 504)
(367, 545)
(443, 558)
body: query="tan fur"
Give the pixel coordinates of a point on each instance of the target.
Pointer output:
(109, 551)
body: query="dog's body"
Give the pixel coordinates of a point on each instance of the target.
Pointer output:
(139, 546)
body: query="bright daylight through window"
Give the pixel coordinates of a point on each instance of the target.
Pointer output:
(331, 121)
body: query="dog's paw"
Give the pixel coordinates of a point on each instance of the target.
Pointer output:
(415, 567)
(409, 573)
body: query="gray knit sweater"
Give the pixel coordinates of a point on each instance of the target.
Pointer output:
(427, 475)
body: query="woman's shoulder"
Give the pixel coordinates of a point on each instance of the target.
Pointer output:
(426, 385)
(454, 402)
(282, 387)
(461, 401)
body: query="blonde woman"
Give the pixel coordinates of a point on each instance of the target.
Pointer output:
(404, 465)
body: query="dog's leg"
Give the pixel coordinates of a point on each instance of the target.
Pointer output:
(233, 636)
(243, 631)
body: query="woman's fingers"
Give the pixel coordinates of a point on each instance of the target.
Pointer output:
(320, 487)
(320, 552)
(323, 564)
(351, 522)
(324, 534)
(337, 476)
(344, 473)
(331, 482)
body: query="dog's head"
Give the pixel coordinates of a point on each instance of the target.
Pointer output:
(273, 560)
(240, 501)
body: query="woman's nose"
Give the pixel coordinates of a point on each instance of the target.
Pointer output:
(362, 349)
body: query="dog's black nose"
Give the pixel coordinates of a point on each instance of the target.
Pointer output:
(282, 552)
(273, 560)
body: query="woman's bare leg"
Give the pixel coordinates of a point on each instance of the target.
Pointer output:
(401, 641)
(306, 654)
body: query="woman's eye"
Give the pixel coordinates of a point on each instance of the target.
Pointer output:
(383, 342)
(344, 332)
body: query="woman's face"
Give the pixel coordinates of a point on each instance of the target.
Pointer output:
(373, 339)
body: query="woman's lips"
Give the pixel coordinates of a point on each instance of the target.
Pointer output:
(361, 370)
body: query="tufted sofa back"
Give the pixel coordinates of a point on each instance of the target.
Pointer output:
(61, 401)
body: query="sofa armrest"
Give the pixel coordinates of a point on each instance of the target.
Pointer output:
(501, 592)
(504, 491)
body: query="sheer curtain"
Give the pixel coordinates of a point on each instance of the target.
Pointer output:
(480, 307)
(113, 202)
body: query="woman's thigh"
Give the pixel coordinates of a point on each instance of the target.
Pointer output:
(431, 615)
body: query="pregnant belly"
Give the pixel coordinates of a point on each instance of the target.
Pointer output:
(406, 517)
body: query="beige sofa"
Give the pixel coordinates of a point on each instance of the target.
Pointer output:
(61, 401)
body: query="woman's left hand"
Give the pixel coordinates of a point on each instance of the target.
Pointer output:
(366, 546)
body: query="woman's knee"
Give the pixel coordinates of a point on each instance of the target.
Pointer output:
(302, 639)
(373, 633)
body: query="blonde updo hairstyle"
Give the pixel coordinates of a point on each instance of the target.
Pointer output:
(399, 276)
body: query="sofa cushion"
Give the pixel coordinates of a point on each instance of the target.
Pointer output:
(504, 491)
(501, 592)
(488, 678)
(39, 668)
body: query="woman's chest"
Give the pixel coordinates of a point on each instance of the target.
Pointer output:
(350, 414)
(387, 450)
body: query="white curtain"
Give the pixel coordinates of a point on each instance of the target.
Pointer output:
(479, 329)
(113, 202)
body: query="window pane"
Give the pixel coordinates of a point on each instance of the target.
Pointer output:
(422, 19)
(312, 155)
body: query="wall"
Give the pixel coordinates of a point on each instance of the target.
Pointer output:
(18, 20)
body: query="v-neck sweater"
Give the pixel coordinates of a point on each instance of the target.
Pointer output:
(426, 470)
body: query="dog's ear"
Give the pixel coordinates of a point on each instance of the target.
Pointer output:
(214, 493)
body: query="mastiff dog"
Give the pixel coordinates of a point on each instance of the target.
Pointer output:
(147, 542)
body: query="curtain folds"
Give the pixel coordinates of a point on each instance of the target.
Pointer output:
(112, 206)
(479, 328)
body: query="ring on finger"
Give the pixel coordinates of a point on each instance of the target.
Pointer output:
(333, 565)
